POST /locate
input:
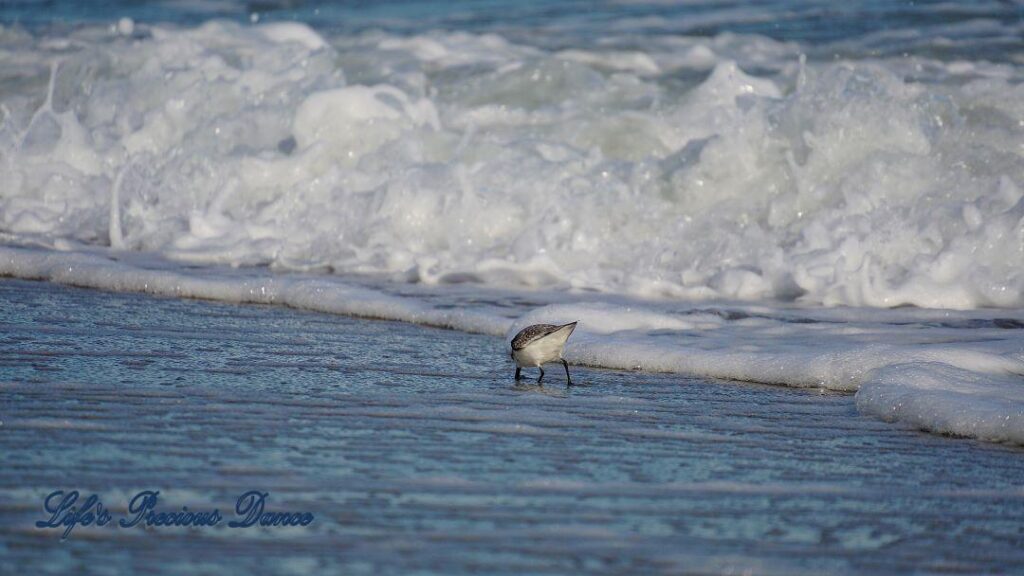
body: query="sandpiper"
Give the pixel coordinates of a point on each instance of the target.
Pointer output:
(541, 344)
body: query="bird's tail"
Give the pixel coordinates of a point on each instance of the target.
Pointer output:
(571, 326)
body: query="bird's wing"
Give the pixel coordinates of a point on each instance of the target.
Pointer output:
(537, 331)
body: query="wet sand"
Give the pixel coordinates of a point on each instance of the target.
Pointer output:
(416, 452)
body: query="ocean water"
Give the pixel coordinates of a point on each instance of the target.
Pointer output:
(791, 193)
(416, 456)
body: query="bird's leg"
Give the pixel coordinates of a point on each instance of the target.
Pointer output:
(541, 374)
(518, 370)
(568, 381)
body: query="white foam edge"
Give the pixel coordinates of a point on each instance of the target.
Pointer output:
(969, 388)
(101, 269)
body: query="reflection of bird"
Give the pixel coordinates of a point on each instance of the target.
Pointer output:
(541, 344)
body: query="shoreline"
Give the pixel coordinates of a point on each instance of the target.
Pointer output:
(952, 373)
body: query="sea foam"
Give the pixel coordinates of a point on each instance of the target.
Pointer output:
(716, 167)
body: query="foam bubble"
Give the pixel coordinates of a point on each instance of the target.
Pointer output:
(942, 398)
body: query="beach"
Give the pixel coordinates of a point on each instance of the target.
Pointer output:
(417, 452)
(261, 264)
